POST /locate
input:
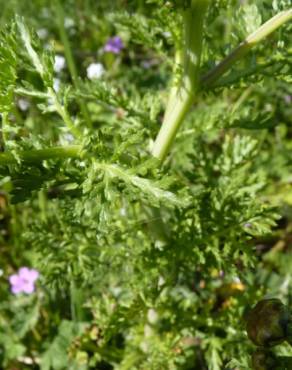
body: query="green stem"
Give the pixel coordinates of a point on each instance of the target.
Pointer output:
(38, 64)
(172, 95)
(62, 111)
(69, 57)
(4, 125)
(243, 48)
(38, 155)
(42, 197)
(182, 96)
(77, 300)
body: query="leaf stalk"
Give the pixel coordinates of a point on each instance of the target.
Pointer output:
(37, 155)
(243, 48)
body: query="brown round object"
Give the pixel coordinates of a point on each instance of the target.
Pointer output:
(267, 323)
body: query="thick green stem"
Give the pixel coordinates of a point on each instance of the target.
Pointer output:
(172, 95)
(38, 155)
(182, 95)
(243, 48)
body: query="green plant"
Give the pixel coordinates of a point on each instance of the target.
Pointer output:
(149, 188)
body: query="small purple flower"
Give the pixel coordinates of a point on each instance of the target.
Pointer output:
(114, 45)
(23, 281)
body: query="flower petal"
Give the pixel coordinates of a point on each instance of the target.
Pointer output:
(23, 272)
(14, 279)
(16, 289)
(28, 288)
(33, 275)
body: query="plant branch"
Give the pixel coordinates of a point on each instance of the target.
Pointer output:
(243, 48)
(62, 111)
(38, 155)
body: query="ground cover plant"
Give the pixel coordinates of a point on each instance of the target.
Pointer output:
(145, 177)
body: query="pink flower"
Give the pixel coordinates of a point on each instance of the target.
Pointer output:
(114, 45)
(23, 281)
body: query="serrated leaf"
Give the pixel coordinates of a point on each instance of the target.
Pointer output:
(148, 187)
(8, 62)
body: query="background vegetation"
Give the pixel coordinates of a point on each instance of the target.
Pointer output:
(141, 265)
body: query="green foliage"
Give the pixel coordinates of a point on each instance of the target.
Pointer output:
(144, 265)
(56, 356)
(7, 66)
